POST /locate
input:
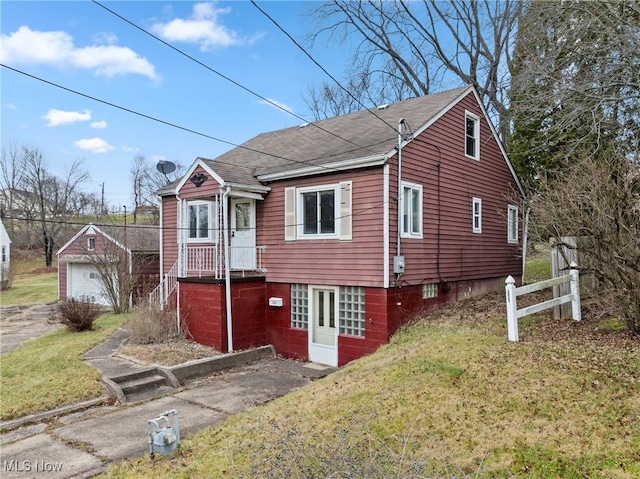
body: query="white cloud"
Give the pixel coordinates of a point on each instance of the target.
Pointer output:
(276, 104)
(204, 28)
(130, 149)
(94, 145)
(98, 125)
(60, 117)
(32, 47)
(11, 106)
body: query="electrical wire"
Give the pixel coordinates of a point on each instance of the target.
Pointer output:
(321, 67)
(174, 125)
(225, 77)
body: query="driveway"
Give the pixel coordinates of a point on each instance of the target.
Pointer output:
(21, 323)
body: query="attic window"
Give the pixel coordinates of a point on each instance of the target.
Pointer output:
(472, 135)
(91, 244)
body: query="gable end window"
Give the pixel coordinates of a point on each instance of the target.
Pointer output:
(476, 213)
(199, 221)
(91, 244)
(472, 136)
(512, 224)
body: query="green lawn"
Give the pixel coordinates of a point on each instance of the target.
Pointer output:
(47, 372)
(448, 397)
(31, 284)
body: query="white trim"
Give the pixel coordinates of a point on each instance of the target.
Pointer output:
(212, 235)
(476, 201)
(364, 162)
(323, 354)
(411, 234)
(187, 175)
(476, 134)
(514, 209)
(161, 239)
(385, 224)
(97, 231)
(335, 187)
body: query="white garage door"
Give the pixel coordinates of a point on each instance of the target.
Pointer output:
(84, 282)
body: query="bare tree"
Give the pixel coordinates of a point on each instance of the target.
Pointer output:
(146, 179)
(598, 200)
(52, 195)
(11, 180)
(576, 83)
(120, 266)
(407, 49)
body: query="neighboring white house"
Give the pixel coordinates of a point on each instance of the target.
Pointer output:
(5, 254)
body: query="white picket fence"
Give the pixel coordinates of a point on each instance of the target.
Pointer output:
(512, 293)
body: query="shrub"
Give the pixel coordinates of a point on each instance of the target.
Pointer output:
(149, 324)
(79, 315)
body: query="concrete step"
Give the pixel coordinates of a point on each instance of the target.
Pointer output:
(142, 384)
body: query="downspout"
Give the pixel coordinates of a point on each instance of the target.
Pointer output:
(227, 266)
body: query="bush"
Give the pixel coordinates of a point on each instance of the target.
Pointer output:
(149, 324)
(79, 315)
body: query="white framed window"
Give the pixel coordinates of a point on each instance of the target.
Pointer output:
(199, 228)
(471, 135)
(300, 306)
(429, 290)
(91, 243)
(512, 224)
(317, 211)
(4, 254)
(411, 211)
(351, 310)
(476, 213)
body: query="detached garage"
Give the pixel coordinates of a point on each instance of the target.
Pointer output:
(85, 259)
(83, 281)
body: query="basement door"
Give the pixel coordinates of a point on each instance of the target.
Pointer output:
(243, 234)
(323, 338)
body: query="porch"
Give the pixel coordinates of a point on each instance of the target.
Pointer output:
(200, 261)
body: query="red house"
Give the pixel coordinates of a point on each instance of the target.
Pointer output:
(323, 239)
(94, 250)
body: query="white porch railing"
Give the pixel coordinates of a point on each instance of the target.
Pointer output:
(209, 260)
(160, 295)
(512, 293)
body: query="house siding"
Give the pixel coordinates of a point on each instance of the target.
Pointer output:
(169, 232)
(461, 254)
(356, 262)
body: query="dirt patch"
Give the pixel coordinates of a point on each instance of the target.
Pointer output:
(170, 353)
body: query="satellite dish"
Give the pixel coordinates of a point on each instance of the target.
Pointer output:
(166, 167)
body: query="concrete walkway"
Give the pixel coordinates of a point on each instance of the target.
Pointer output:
(82, 443)
(21, 323)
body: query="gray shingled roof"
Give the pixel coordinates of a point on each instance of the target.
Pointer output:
(356, 135)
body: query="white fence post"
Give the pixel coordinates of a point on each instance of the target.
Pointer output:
(512, 309)
(575, 292)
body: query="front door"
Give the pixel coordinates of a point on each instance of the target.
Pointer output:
(322, 334)
(243, 234)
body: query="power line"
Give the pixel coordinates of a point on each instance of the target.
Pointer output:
(320, 66)
(173, 125)
(225, 77)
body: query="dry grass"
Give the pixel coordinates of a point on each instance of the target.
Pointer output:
(170, 353)
(449, 396)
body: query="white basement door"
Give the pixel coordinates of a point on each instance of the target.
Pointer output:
(84, 282)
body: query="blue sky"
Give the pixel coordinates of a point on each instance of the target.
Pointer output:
(81, 46)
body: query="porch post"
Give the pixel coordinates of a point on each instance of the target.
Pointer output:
(227, 267)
